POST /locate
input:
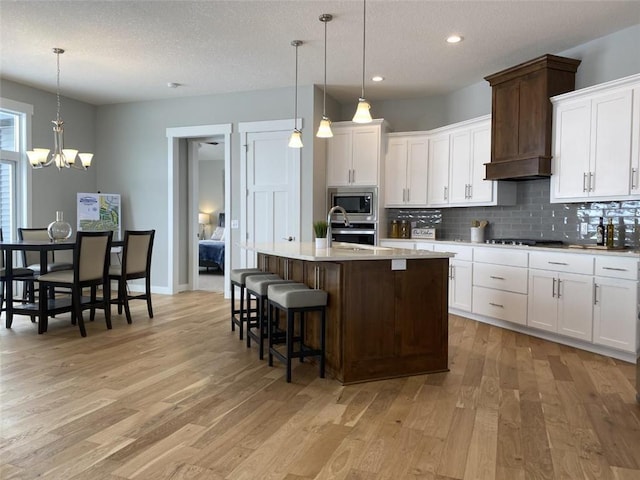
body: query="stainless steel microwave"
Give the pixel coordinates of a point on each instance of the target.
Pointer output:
(361, 204)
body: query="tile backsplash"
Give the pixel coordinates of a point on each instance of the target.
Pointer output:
(533, 217)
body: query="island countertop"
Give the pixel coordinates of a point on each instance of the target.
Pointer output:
(340, 252)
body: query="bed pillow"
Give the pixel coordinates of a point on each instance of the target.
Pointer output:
(218, 233)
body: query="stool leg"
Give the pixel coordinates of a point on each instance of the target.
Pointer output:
(242, 312)
(249, 318)
(302, 337)
(322, 340)
(261, 327)
(270, 333)
(233, 306)
(290, 335)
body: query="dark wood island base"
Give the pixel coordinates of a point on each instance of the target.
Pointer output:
(382, 321)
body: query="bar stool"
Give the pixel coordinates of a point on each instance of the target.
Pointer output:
(238, 278)
(256, 286)
(293, 299)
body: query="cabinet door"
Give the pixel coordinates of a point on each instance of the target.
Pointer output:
(459, 167)
(417, 165)
(481, 190)
(570, 163)
(611, 144)
(366, 150)
(438, 175)
(339, 149)
(460, 285)
(615, 316)
(543, 303)
(635, 144)
(575, 306)
(396, 172)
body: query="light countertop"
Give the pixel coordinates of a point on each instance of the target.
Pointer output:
(582, 249)
(341, 252)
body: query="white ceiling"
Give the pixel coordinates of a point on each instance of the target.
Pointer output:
(122, 51)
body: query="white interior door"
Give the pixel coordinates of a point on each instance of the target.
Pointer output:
(271, 177)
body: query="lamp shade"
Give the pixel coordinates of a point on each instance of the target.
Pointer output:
(203, 218)
(295, 140)
(324, 130)
(362, 114)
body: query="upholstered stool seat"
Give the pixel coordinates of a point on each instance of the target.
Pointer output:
(257, 285)
(296, 299)
(238, 277)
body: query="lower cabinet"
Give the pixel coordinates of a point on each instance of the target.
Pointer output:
(460, 274)
(507, 306)
(615, 304)
(561, 303)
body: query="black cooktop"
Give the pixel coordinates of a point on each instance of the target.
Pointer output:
(529, 242)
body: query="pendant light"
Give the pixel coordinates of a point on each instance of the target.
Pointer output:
(324, 130)
(362, 114)
(295, 140)
(60, 157)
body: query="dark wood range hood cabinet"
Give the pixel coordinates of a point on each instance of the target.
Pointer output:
(521, 116)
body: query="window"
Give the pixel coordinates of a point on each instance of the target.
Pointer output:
(15, 119)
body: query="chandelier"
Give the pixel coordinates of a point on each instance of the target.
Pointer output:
(60, 157)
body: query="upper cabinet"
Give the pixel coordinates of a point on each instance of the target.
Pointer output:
(354, 154)
(595, 142)
(457, 155)
(406, 170)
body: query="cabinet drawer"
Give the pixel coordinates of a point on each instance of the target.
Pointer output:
(507, 306)
(562, 262)
(616, 267)
(501, 256)
(463, 252)
(501, 277)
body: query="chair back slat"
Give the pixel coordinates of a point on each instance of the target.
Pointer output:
(38, 234)
(91, 255)
(138, 245)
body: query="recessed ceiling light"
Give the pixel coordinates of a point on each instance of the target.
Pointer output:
(454, 39)
(377, 78)
(173, 85)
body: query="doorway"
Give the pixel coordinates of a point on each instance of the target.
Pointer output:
(184, 228)
(206, 166)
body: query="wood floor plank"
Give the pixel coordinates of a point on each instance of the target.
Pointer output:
(180, 397)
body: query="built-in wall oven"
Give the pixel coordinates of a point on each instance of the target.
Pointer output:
(361, 205)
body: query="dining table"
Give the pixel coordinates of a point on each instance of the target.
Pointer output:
(44, 305)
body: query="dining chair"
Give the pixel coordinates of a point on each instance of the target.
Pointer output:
(90, 269)
(136, 263)
(31, 259)
(21, 274)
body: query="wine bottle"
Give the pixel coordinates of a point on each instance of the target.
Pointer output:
(610, 233)
(600, 233)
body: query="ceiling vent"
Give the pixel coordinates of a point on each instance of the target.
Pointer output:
(521, 116)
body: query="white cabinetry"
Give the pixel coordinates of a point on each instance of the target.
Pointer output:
(406, 171)
(561, 294)
(593, 143)
(615, 303)
(460, 274)
(499, 284)
(354, 154)
(457, 154)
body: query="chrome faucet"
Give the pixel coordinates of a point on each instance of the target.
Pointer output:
(337, 208)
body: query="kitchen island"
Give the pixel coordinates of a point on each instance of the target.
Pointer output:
(387, 310)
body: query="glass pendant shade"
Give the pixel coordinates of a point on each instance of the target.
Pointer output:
(324, 130)
(38, 156)
(85, 159)
(295, 140)
(362, 115)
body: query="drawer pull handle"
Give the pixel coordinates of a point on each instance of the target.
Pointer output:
(496, 278)
(615, 269)
(595, 294)
(496, 305)
(553, 288)
(557, 263)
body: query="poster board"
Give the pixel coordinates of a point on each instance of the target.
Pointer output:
(98, 212)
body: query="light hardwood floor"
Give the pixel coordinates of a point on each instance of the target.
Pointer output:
(180, 397)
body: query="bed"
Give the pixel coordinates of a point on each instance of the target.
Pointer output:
(211, 251)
